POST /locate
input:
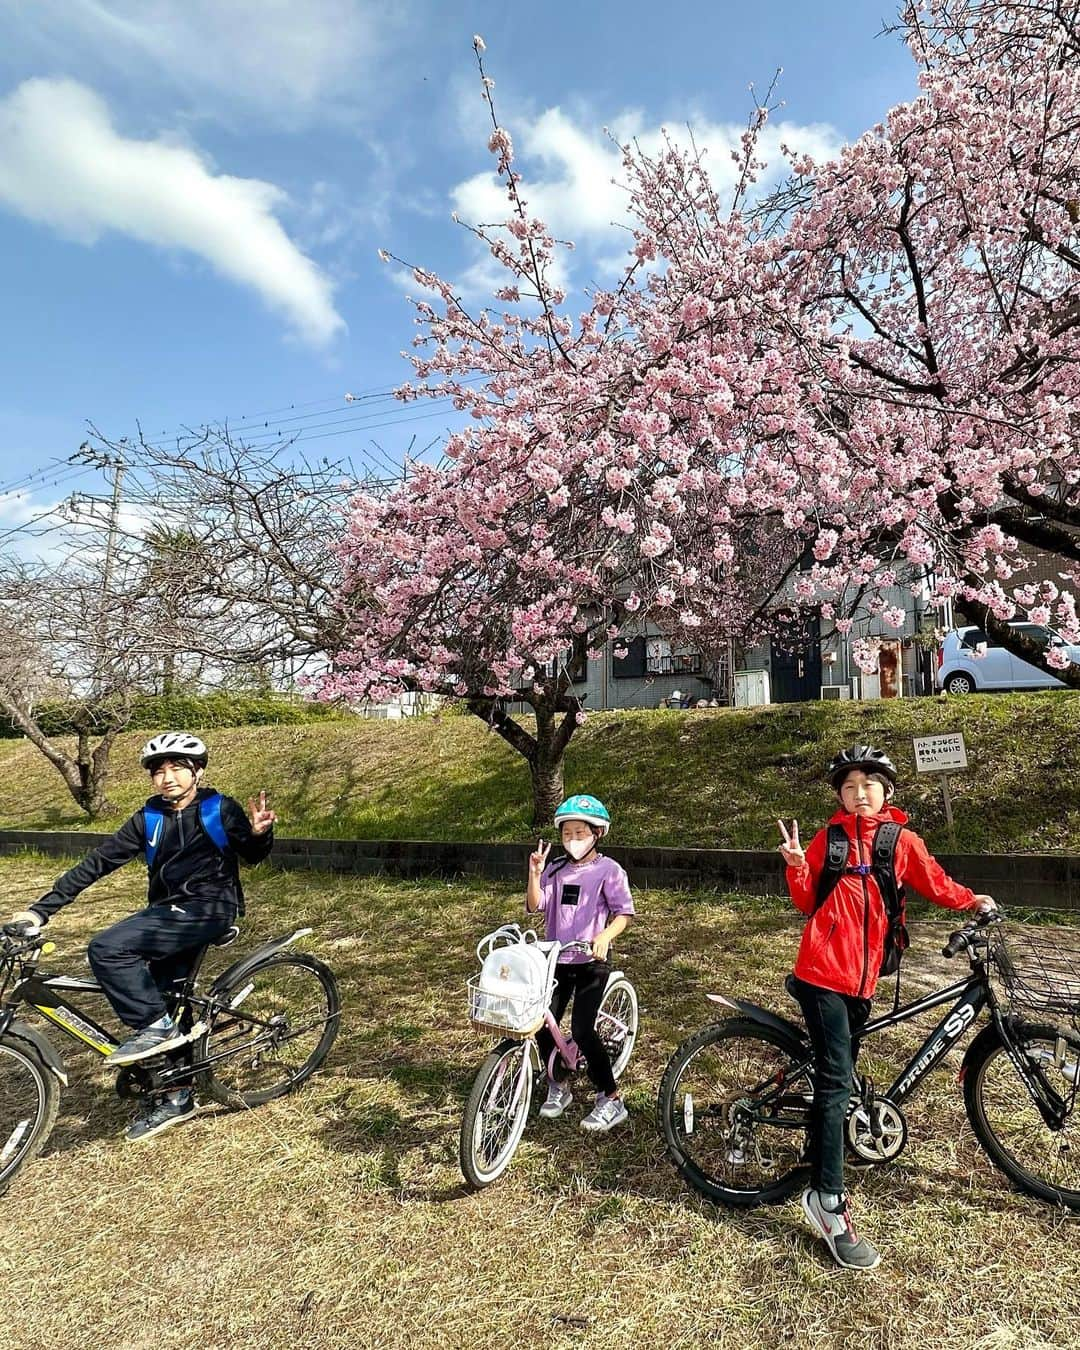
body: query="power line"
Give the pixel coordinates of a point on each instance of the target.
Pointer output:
(64, 469)
(371, 395)
(344, 419)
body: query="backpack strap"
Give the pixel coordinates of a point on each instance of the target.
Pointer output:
(154, 822)
(883, 866)
(836, 856)
(210, 816)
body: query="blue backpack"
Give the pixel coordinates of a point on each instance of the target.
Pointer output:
(209, 818)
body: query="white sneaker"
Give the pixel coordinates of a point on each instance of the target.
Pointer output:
(606, 1114)
(558, 1099)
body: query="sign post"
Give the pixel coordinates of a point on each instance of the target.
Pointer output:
(940, 755)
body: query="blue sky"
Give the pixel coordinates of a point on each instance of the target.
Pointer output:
(193, 192)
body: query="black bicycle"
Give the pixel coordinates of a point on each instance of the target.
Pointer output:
(262, 1028)
(735, 1098)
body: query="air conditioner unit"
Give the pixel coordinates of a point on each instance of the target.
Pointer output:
(835, 691)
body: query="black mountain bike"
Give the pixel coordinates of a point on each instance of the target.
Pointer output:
(262, 1028)
(735, 1098)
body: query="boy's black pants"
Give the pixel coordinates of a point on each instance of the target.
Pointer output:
(584, 982)
(139, 960)
(833, 1021)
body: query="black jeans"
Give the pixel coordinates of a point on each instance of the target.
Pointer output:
(833, 1021)
(584, 982)
(138, 961)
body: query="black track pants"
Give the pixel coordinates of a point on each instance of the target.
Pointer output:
(583, 982)
(833, 1021)
(138, 960)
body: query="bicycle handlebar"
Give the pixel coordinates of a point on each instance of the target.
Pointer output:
(962, 939)
(576, 947)
(17, 939)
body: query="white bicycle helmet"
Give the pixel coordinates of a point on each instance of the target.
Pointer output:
(174, 745)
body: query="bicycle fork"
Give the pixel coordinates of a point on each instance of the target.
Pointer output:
(496, 1087)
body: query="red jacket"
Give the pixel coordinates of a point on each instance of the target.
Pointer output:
(843, 943)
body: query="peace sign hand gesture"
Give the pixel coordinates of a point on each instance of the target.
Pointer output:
(538, 858)
(261, 815)
(791, 850)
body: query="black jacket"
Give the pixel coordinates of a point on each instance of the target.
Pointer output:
(188, 865)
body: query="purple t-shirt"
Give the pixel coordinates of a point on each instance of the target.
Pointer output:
(579, 900)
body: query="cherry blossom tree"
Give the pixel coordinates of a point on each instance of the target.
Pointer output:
(937, 262)
(875, 366)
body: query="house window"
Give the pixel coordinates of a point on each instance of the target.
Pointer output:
(632, 665)
(657, 652)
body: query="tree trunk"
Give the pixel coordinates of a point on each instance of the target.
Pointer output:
(545, 752)
(546, 769)
(84, 775)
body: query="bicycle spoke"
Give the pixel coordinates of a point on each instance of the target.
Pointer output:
(1042, 1153)
(22, 1104)
(732, 1113)
(275, 1034)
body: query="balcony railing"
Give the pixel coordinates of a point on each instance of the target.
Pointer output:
(686, 663)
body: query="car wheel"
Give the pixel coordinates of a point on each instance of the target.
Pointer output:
(959, 683)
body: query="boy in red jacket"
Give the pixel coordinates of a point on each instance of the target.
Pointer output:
(839, 958)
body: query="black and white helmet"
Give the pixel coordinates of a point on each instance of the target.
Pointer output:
(174, 745)
(863, 757)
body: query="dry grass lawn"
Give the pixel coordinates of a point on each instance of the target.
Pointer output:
(337, 1218)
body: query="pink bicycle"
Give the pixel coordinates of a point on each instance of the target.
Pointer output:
(498, 1107)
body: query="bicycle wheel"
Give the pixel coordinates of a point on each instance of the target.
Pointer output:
(1008, 1124)
(617, 1023)
(734, 1111)
(496, 1112)
(29, 1100)
(276, 1028)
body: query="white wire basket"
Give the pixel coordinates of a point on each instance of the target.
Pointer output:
(518, 1015)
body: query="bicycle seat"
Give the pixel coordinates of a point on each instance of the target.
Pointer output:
(789, 985)
(230, 936)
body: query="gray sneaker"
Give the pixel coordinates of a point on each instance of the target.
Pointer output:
(605, 1115)
(157, 1115)
(835, 1226)
(558, 1099)
(147, 1043)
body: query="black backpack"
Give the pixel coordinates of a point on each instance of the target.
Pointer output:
(882, 868)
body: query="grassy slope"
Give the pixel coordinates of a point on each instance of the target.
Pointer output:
(714, 778)
(336, 1218)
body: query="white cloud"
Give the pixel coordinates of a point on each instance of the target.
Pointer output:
(286, 59)
(63, 163)
(574, 180)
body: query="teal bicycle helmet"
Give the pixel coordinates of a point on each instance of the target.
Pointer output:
(583, 807)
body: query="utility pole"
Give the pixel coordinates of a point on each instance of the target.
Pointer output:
(119, 468)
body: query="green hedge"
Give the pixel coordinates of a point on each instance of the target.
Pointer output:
(222, 708)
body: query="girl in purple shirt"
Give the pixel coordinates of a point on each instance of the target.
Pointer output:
(584, 897)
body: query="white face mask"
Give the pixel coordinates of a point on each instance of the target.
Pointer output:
(577, 848)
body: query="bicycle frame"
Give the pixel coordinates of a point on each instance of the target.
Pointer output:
(971, 996)
(565, 1046)
(968, 998)
(44, 994)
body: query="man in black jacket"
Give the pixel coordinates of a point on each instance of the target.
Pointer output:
(192, 839)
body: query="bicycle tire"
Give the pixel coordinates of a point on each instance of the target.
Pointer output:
(214, 1081)
(471, 1157)
(32, 1132)
(678, 1122)
(618, 1008)
(981, 1079)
